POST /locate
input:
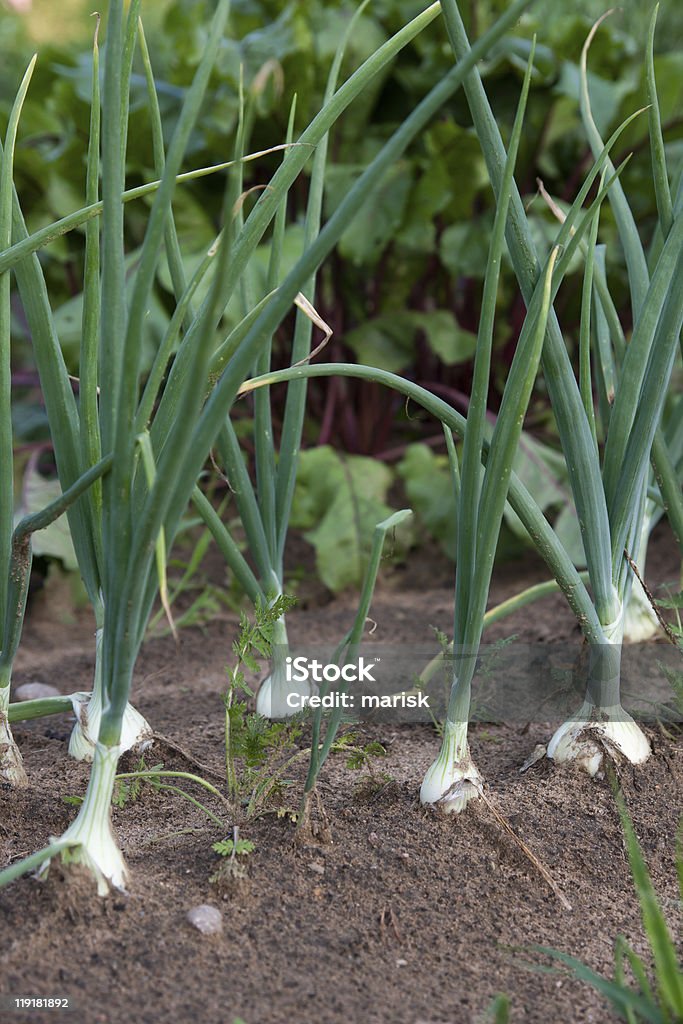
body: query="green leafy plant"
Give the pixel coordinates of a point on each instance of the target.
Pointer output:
(251, 736)
(234, 852)
(360, 757)
(231, 847)
(337, 501)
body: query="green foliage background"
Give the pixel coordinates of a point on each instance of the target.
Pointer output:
(403, 290)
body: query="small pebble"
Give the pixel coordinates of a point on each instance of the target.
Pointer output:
(206, 919)
(316, 866)
(35, 691)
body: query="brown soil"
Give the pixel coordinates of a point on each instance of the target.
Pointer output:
(403, 918)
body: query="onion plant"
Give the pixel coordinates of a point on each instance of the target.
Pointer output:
(73, 425)
(603, 331)
(608, 346)
(609, 487)
(264, 508)
(481, 494)
(14, 593)
(15, 544)
(184, 414)
(11, 767)
(452, 780)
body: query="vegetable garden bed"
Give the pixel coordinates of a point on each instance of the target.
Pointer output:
(219, 864)
(404, 916)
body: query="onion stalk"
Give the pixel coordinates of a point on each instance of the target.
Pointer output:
(74, 428)
(345, 654)
(640, 621)
(11, 767)
(453, 780)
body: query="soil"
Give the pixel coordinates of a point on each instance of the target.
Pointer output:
(403, 917)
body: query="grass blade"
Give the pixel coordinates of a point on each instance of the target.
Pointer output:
(669, 976)
(622, 999)
(624, 953)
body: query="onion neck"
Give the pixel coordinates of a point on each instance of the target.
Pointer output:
(453, 780)
(91, 837)
(601, 724)
(135, 731)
